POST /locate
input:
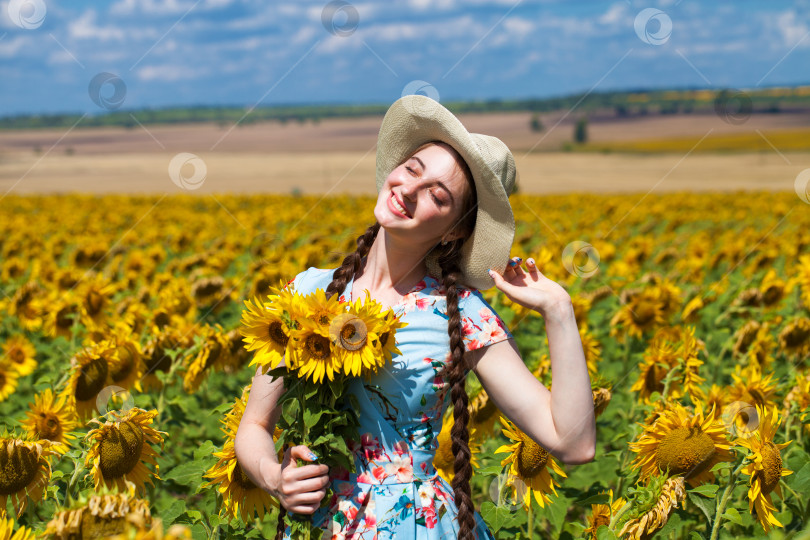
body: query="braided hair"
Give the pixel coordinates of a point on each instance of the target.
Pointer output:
(454, 372)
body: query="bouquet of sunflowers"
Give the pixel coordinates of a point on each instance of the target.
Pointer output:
(324, 343)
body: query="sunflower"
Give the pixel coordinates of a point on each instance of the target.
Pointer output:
(444, 460)
(655, 504)
(27, 306)
(62, 312)
(751, 387)
(591, 347)
(794, 339)
(682, 444)
(102, 515)
(755, 342)
(96, 299)
(601, 391)
(90, 373)
(802, 278)
(25, 470)
(121, 448)
(716, 399)
(772, 289)
(601, 514)
(214, 354)
(126, 367)
(157, 358)
(20, 353)
(530, 463)
(240, 496)
(266, 326)
(659, 359)
(642, 312)
(799, 396)
(358, 335)
(50, 418)
(764, 467)
(7, 528)
(8, 380)
(154, 532)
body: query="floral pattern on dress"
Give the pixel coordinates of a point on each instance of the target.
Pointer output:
(395, 491)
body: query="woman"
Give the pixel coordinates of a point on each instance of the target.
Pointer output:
(443, 222)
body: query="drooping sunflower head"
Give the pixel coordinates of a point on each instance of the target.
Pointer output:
(26, 469)
(530, 463)
(90, 373)
(794, 339)
(601, 514)
(682, 444)
(764, 467)
(652, 505)
(102, 515)
(213, 355)
(122, 448)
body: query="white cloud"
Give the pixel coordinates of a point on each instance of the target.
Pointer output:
(9, 47)
(170, 72)
(422, 5)
(615, 14)
(85, 28)
(792, 29)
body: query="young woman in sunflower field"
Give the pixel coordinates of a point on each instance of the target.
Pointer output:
(444, 229)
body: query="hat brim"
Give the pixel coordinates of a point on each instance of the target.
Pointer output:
(415, 119)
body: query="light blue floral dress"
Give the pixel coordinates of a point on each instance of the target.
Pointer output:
(396, 492)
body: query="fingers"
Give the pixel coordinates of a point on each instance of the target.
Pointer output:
(302, 452)
(513, 268)
(532, 266)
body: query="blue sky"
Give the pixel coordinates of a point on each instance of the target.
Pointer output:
(249, 52)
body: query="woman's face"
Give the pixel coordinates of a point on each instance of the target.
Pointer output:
(431, 191)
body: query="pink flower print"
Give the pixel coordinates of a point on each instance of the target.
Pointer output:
(363, 498)
(371, 446)
(463, 293)
(491, 332)
(474, 344)
(370, 521)
(426, 494)
(379, 473)
(486, 314)
(365, 478)
(408, 302)
(401, 448)
(468, 326)
(427, 360)
(424, 418)
(423, 304)
(402, 467)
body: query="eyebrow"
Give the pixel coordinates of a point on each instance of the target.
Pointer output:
(450, 193)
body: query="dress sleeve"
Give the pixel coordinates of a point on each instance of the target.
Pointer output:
(296, 281)
(482, 325)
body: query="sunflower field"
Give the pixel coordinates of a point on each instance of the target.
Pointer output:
(123, 374)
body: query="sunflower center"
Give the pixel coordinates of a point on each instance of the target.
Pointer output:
(242, 479)
(685, 450)
(158, 361)
(531, 458)
(213, 354)
(653, 381)
(91, 379)
(277, 334)
(643, 314)
(796, 336)
(122, 369)
(772, 468)
(323, 319)
(384, 338)
(49, 427)
(317, 346)
(17, 469)
(64, 317)
(353, 335)
(17, 355)
(94, 302)
(120, 450)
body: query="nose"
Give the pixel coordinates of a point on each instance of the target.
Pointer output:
(409, 189)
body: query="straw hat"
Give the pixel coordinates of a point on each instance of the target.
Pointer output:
(415, 119)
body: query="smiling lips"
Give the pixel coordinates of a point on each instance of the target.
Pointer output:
(398, 207)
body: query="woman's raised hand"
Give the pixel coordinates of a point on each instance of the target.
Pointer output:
(530, 288)
(299, 489)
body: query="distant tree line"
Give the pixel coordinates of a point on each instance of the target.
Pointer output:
(619, 104)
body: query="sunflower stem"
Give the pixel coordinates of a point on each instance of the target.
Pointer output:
(615, 519)
(529, 524)
(721, 504)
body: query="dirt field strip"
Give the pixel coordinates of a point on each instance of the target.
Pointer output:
(353, 172)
